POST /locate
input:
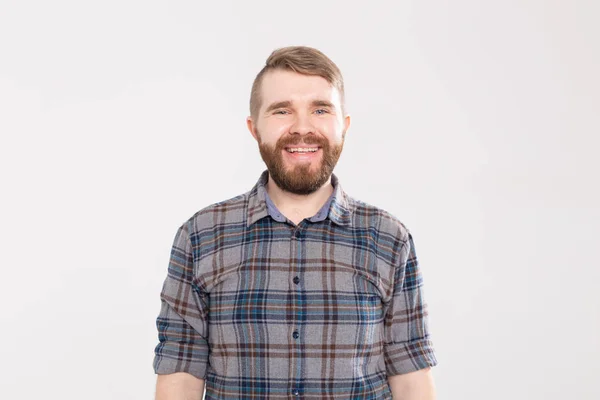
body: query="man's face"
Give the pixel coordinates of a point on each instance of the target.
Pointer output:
(300, 130)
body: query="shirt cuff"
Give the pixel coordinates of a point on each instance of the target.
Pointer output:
(405, 357)
(165, 364)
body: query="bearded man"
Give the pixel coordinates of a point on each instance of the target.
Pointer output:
(294, 289)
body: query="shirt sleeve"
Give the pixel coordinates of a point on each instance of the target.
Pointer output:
(183, 319)
(407, 344)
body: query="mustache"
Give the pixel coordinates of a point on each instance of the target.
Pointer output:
(293, 142)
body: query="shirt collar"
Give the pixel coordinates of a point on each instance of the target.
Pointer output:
(336, 208)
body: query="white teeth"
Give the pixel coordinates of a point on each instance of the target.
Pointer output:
(302, 150)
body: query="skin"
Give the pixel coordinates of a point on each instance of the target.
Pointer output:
(312, 116)
(417, 385)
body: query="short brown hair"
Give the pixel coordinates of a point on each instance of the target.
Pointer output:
(303, 60)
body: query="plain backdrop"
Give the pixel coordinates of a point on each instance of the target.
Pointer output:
(474, 122)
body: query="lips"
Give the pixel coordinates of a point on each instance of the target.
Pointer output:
(303, 155)
(311, 151)
(302, 146)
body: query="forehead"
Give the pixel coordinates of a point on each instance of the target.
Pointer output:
(283, 85)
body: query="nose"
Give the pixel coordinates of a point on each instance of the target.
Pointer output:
(302, 125)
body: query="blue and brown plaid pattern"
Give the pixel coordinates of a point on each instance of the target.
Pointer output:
(262, 308)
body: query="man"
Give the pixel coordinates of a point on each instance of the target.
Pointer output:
(294, 289)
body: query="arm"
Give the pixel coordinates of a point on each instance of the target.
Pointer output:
(181, 356)
(408, 349)
(179, 386)
(417, 385)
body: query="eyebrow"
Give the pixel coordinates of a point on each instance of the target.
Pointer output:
(279, 104)
(322, 103)
(287, 103)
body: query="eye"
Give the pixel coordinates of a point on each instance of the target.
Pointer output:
(280, 112)
(324, 111)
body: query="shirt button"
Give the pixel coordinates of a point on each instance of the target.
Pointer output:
(296, 280)
(295, 334)
(296, 392)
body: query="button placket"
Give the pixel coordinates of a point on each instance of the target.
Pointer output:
(296, 244)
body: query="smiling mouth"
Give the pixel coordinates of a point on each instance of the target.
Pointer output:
(302, 150)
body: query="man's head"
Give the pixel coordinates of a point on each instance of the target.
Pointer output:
(297, 103)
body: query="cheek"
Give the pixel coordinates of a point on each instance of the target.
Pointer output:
(331, 129)
(278, 124)
(273, 130)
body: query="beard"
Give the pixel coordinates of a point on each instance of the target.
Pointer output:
(300, 178)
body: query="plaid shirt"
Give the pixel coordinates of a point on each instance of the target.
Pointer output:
(262, 308)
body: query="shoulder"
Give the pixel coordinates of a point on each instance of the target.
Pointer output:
(219, 214)
(366, 215)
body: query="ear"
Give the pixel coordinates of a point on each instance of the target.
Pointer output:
(251, 127)
(346, 124)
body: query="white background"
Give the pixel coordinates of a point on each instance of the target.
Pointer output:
(475, 122)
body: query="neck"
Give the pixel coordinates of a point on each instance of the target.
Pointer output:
(296, 207)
